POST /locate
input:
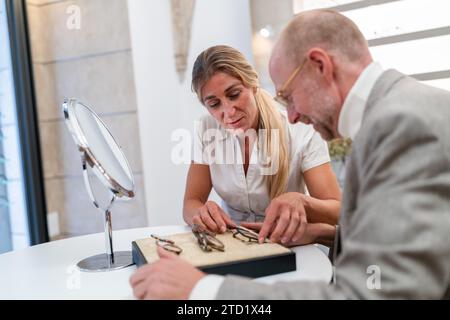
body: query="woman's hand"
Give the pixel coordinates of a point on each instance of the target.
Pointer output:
(313, 233)
(285, 219)
(307, 237)
(322, 233)
(212, 217)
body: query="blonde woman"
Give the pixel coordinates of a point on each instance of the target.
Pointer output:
(246, 149)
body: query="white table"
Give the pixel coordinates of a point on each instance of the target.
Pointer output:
(48, 271)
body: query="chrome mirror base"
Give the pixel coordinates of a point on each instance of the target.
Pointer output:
(110, 260)
(105, 262)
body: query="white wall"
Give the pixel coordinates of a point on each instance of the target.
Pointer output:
(163, 103)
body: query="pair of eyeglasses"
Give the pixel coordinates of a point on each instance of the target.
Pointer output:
(280, 96)
(245, 235)
(167, 244)
(206, 239)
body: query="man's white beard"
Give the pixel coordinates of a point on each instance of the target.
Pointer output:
(324, 109)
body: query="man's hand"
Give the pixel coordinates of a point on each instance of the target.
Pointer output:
(212, 217)
(168, 278)
(286, 216)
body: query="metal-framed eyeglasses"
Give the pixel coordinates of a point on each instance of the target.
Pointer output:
(280, 96)
(206, 239)
(167, 244)
(245, 235)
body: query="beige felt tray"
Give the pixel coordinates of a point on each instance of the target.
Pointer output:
(235, 250)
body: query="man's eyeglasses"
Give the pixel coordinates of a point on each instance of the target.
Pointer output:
(167, 244)
(206, 239)
(280, 97)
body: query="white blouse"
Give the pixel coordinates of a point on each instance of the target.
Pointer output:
(245, 198)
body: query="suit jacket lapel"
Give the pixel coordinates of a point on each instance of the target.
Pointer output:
(352, 183)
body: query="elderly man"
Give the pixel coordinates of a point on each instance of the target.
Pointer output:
(395, 216)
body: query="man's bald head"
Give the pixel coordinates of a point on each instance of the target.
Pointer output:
(325, 29)
(314, 65)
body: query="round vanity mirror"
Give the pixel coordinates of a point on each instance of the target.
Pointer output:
(101, 154)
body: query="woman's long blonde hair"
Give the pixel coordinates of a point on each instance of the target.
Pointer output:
(232, 62)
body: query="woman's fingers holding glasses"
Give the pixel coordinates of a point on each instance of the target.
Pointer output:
(197, 220)
(270, 220)
(216, 215)
(292, 227)
(282, 224)
(278, 216)
(207, 219)
(301, 227)
(221, 219)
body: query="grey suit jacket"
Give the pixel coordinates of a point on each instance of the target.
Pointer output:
(395, 216)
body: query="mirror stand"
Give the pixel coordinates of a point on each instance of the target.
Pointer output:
(110, 260)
